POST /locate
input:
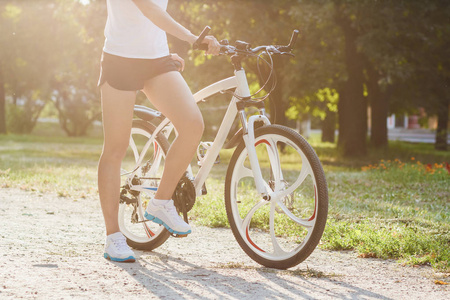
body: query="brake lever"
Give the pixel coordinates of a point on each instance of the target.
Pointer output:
(274, 50)
(226, 49)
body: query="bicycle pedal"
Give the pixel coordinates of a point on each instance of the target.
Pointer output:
(179, 235)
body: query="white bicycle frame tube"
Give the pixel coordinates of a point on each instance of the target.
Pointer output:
(227, 122)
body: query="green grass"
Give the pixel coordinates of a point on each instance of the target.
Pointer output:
(50, 163)
(395, 208)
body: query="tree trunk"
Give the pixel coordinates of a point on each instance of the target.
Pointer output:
(341, 106)
(329, 127)
(380, 106)
(2, 103)
(441, 132)
(277, 105)
(352, 106)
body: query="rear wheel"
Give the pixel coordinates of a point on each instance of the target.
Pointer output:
(283, 231)
(141, 233)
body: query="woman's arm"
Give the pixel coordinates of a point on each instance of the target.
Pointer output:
(163, 20)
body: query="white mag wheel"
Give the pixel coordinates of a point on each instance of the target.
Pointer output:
(140, 233)
(283, 231)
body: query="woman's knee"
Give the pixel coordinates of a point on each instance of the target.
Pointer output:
(113, 154)
(192, 127)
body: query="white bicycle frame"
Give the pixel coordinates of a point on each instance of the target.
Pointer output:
(238, 82)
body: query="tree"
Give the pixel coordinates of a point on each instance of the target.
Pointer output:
(352, 107)
(432, 64)
(320, 65)
(25, 63)
(75, 94)
(412, 58)
(405, 56)
(50, 49)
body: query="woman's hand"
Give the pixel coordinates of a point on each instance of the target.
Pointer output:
(213, 45)
(177, 58)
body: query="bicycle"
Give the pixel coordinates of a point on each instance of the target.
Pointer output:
(274, 181)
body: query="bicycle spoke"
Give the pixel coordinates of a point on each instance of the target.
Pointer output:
(133, 146)
(251, 212)
(157, 157)
(302, 222)
(244, 172)
(276, 247)
(306, 170)
(275, 164)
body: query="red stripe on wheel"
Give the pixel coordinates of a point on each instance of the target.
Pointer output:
(155, 146)
(251, 242)
(149, 232)
(262, 141)
(315, 205)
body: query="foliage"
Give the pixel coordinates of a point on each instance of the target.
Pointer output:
(75, 93)
(229, 20)
(409, 57)
(22, 118)
(317, 105)
(59, 63)
(24, 60)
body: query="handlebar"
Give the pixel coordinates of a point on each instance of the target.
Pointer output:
(244, 48)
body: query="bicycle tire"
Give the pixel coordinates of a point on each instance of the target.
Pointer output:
(142, 240)
(311, 202)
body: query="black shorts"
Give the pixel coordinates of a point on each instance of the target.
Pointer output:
(130, 74)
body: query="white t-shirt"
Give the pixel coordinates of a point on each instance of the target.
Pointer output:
(131, 34)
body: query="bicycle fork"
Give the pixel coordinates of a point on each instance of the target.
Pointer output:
(249, 140)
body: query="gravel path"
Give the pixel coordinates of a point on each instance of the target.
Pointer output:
(52, 247)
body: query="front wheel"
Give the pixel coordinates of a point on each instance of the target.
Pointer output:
(283, 231)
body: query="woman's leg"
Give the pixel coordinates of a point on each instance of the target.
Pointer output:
(117, 108)
(170, 94)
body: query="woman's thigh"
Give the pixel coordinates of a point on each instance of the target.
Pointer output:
(170, 94)
(117, 109)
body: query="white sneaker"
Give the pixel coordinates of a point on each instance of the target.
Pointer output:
(167, 216)
(116, 248)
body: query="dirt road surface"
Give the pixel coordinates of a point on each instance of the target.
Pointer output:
(51, 248)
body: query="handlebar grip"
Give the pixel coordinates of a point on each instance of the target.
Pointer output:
(198, 43)
(293, 39)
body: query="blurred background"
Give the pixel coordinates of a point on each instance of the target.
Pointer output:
(363, 68)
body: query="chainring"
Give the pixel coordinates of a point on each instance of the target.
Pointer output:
(184, 195)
